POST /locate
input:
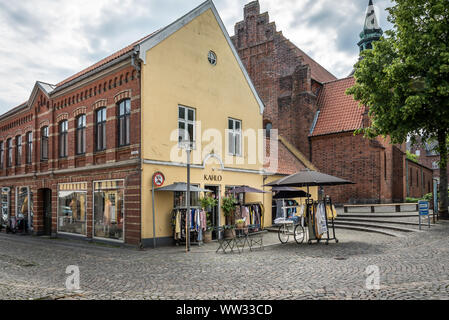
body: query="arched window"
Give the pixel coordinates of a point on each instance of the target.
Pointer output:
(9, 146)
(18, 150)
(124, 113)
(268, 128)
(44, 143)
(63, 138)
(100, 129)
(29, 147)
(81, 134)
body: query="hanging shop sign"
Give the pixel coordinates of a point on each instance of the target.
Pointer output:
(158, 179)
(213, 177)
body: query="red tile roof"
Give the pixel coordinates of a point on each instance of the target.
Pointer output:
(318, 72)
(113, 56)
(338, 112)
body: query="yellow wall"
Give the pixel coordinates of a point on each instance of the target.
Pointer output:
(177, 72)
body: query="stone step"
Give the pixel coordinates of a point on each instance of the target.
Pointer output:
(370, 230)
(370, 215)
(376, 226)
(344, 219)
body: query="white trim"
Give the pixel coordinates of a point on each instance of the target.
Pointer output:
(196, 166)
(164, 33)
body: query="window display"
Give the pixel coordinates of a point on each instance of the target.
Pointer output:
(72, 208)
(109, 209)
(24, 209)
(5, 202)
(181, 201)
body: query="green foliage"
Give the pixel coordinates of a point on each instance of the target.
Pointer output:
(228, 205)
(208, 202)
(404, 79)
(412, 200)
(413, 157)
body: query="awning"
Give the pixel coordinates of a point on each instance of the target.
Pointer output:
(308, 178)
(181, 187)
(247, 189)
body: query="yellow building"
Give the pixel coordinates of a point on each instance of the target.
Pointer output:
(192, 78)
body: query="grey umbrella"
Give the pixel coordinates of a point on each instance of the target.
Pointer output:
(291, 194)
(247, 189)
(307, 178)
(181, 187)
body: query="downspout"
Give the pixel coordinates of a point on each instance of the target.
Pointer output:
(136, 65)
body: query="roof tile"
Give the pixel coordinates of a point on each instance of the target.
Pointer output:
(338, 112)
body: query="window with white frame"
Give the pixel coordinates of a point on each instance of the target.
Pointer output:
(186, 125)
(235, 137)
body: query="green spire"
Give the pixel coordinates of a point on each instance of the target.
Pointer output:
(371, 30)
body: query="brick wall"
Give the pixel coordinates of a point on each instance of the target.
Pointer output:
(419, 180)
(282, 80)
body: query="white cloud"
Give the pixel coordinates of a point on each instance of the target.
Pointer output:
(50, 40)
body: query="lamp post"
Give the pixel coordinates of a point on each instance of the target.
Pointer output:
(187, 145)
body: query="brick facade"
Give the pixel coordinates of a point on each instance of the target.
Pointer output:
(419, 179)
(116, 162)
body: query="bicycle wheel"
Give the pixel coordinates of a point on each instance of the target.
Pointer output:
(283, 233)
(299, 234)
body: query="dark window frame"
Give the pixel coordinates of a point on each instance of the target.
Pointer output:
(123, 122)
(44, 143)
(29, 147)
(80, 136)
(63, 139)
(9, 148)
(2, 154)
(100, 129)
(18, 154)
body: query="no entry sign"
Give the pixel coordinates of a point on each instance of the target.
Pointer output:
(158, 179)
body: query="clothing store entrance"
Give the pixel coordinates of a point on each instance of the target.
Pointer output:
(46, 209)
(213, 216)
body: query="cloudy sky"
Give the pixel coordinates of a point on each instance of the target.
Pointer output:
(49, 40)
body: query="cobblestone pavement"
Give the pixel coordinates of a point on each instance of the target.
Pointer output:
(415, 267)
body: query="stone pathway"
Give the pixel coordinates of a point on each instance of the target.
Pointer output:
(413, 267)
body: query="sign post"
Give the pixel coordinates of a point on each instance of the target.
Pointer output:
(423, 211)
(157, 181)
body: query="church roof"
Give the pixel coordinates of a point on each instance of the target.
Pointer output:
(338, 112)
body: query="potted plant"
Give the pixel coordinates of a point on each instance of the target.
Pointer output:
(207, 203)
(240, 223)
(228, 205)
(208, 233)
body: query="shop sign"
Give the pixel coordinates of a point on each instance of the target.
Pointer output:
(213, 177)
(158, 179)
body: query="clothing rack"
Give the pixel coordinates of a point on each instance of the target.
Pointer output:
(260, 217)
(311, 220)
(193, 233)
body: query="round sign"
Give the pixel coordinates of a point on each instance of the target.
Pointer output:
(158, 179)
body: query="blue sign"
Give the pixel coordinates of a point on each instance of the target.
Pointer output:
(423, 208)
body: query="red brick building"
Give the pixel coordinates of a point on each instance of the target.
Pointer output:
(65, 141)
(309, 107)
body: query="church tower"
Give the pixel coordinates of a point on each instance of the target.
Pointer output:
(371, 30)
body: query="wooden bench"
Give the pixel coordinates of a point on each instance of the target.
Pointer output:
(396, 205)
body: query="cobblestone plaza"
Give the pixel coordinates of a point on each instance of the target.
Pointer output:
(412, 267)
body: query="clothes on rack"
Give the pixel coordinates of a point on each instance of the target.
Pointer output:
(198, 223)
(250, 213)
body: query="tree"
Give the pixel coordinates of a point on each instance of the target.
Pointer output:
(404, 80)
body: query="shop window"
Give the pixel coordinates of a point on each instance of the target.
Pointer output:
(24, 209)
(100, 129)
(109, 212)
(63, 138)
(18, 150)
(29, 147)
(9, 146)
(123, 122)
(81, 134)
(5, 205)
(186, 125)
(235, 137)
(72, 202)
(2, 154)
(44, 143)
(180, 198)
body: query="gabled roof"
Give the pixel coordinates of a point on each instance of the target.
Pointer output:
(318, 72)
(338, 112)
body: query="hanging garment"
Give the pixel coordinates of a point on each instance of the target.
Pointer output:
(279, 210)
(178, 225)
(331, 212)
(321, 219)
(203, 220)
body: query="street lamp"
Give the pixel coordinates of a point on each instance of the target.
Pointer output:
(187, 145)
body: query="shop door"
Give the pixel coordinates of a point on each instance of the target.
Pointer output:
(46, 197)
(214, 213)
